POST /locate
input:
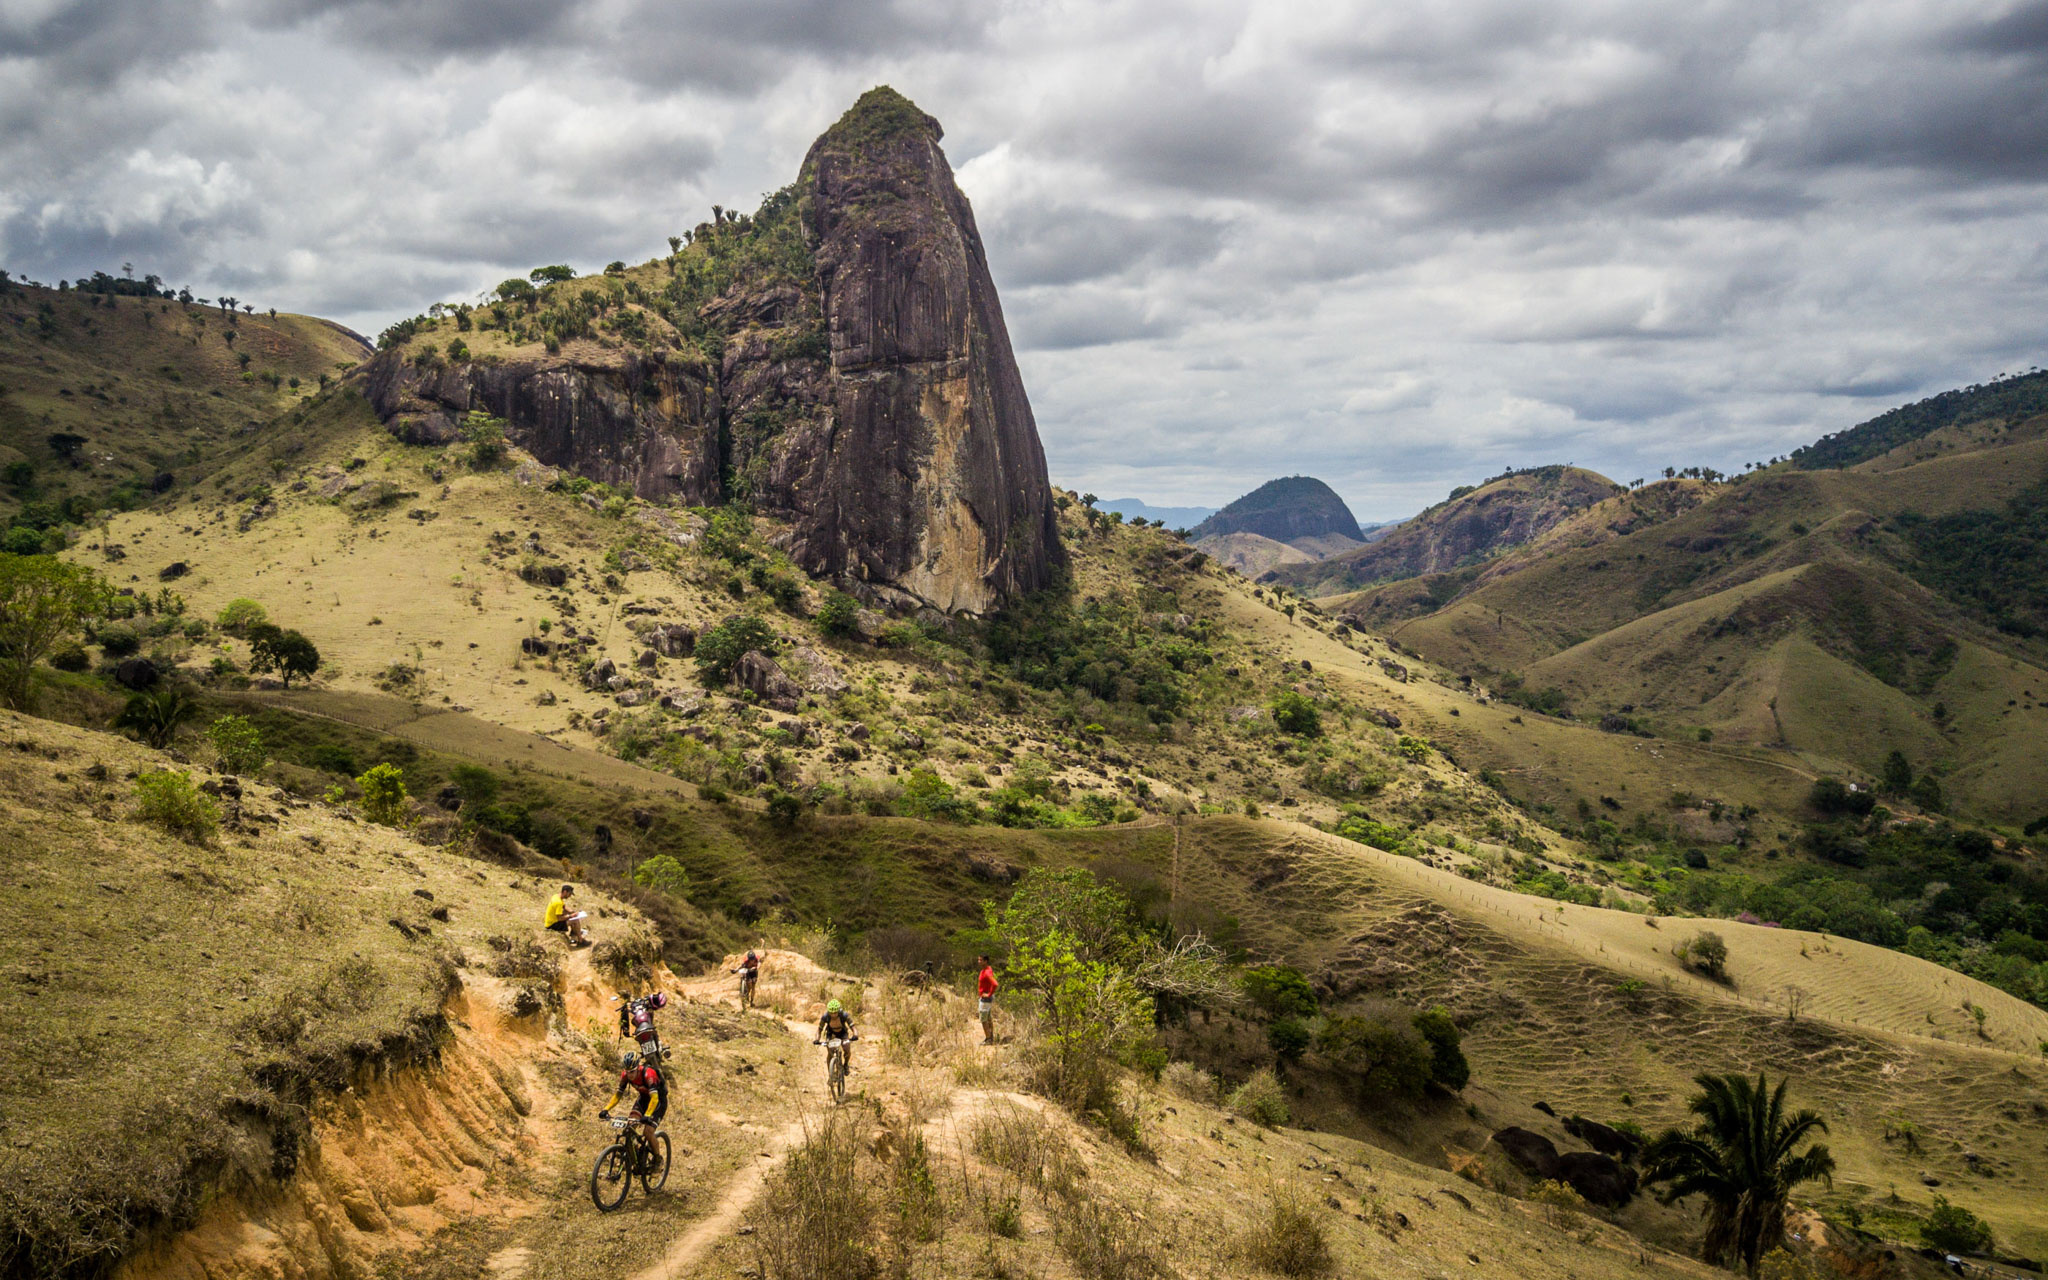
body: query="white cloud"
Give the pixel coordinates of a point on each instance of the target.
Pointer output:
(1395, 246)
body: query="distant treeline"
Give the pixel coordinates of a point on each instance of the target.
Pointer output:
(2019, 396)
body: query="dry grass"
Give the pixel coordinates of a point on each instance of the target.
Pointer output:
(818, 1218)
(1288, 1235)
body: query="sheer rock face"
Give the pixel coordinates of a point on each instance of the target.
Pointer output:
(932, 482)
(626, 420)
(898, 444)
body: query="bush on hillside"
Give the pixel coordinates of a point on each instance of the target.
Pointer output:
(1954, 1229)
(167, 799)
(1288, 1236)
(118, 640)
(1380, 1058)
(663, 874)
(238, 744)
(71, 657)
(1279, 991)
(1261, 1099)
(384, 795)
(1447, 1064)
(720, 649)
(838, 614)
(155, 716)
(241, 614)
(1295, 714)
(1705, 953)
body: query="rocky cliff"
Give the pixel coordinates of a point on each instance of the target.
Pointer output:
(838, 361)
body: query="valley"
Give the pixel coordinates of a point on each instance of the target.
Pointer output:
(1334, 874)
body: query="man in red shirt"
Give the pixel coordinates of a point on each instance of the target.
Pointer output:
(985, 985)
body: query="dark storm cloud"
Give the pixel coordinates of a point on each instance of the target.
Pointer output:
(1399, 246)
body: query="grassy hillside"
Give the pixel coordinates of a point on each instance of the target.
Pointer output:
(1475, 523)
(173, 1005)
(1990, 405)
(108, 398)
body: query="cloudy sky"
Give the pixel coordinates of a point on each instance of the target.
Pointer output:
(1398, 246)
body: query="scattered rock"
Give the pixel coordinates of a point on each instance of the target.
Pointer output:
(1603, 1138)
(535, 647)
(1533, 1153)
(758, 672)
(1603, 1180)
(1387, 718)
(601, 674)
(859, 733)
(136, 673)
(673, 641)
(648, 660)
(173, 571)
(631, 698)
(815, 672)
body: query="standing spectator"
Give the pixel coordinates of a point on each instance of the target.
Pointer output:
(985, 986)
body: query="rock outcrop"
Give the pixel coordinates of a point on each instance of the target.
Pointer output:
(863, 388)
(1283, 510)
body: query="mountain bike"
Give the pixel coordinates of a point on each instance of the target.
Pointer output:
(632, 1156)
(835, 1067)
(748, 977)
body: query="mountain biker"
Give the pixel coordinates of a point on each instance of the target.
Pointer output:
(646, 1080)
(836, 1025)
(750, 973)
(561, 919)
(985, 987)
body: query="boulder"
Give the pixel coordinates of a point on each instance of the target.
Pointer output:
(758, 672)
(647, 660)
(673, 641)
(631, 698)
(136, 673)
(1387, 718)
(814, 671)
(1602, 1179)
(534, 646)
(1533, 1153)
(601, 674)
(858, 732)
(682, 702)
(429, 429)
(173, 571)
(1604, 1139)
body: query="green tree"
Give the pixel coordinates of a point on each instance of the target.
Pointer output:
(1090, 1014)
(155, 716)
(240, 614)
(1447, 1064)
(663, 874)
(1926, 793)
(837, 615)
(1288, 1038)
(1897, 778)
(1706, 952)
(1742, 1158)
(725, 536)
(384, 795)
(556, 274)
(720, 649)
(1380, 1058)
(42, 600)
(1280, 991)
(1954, 1229)
(167, 798)
(288, 653)
(486, 438)
(238, 744)
(517, 290)
(1295, 714)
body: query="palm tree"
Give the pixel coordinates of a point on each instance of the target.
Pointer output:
(1740, 1157)
(155, 716)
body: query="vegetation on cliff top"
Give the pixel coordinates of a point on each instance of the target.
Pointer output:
(2019, 396)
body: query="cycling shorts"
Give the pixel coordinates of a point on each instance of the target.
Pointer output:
(656, 1109)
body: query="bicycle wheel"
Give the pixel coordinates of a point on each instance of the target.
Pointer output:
(658, 1149)
(835, 1076)
(610, 1180)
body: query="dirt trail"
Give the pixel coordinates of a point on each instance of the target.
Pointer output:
(792, 973)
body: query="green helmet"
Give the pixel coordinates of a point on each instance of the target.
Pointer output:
(832, 1007)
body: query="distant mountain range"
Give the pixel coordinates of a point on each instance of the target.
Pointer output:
(1175, 517)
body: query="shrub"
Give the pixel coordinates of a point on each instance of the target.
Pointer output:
(238, 744)
(167, 799)
(663, 874)
(155, 716)
(71, 657)
(838, 614)
(1413, 748)
(926, 795)
(240, 614)
(1192, 1083)
(1706, 953)
(1279, 991)
(1261, 1099)
(818, 1221)
(720, 649)
(1952, 1228)
(1288, 1236)
(1379, 1057)
(1289, 1038)
(1295, 714)
(118, 640)
(1102, 1239)
(785, 810)
(332, 757)
(384, 795)
(1447, 1065)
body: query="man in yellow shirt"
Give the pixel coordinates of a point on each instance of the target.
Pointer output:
(561, 918)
